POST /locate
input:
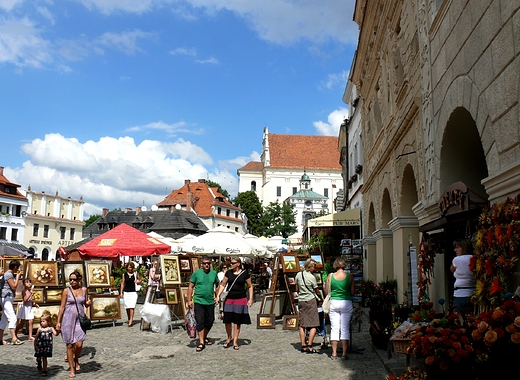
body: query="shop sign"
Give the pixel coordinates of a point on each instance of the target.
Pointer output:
(454, 199)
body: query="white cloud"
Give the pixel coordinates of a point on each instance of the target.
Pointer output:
(212, 61)
(336, 79)
(132, 6)
(170, 129)
(238, 162)
(114, 172)
(191, 52)
(44, 11)
(22, 45)
(8, 5)
(334, 120)
(125, 41)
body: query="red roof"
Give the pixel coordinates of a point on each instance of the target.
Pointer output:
(300, 151)
(14, 193)
(204, 198)
(253, 166)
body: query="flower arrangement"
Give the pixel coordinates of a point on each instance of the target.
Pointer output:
(43, 274)
(425, 313)
(497, 251)
(98, 275)
(381, 295)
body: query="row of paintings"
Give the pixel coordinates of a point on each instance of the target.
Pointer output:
(292, 263)
(171, 267)
(351, 242)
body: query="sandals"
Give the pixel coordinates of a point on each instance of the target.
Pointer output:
(200, 347)
(344, 358)
(44, 373)
(208, 342)
(235, 348)
(310, 350)
(227, 344)
(304, 348)
(17, 342)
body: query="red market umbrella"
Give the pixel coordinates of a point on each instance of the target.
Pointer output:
(125, 241)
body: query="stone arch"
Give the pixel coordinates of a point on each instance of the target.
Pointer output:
(409, 195)
(371, 220)
(386, 209)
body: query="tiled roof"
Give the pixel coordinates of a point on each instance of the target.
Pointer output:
(253, 166)
(204, 198)
(174, 224)
(299, 151)
(5, 182)
(308, 194)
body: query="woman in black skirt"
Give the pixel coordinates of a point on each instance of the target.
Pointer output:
(236, 307)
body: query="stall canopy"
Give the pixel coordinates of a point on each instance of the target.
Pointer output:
(123, 240)
(219, 241)
(344, 218)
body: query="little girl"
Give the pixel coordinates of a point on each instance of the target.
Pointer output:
(43, 342)
(26, 312)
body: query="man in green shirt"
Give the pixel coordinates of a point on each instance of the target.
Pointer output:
(202, 287)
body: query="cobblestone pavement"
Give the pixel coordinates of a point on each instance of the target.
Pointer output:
(112, 352)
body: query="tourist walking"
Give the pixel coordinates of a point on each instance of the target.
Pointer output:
(202, 288)
(8, 285)
(129, 291)
(236, 306)
(306, 286)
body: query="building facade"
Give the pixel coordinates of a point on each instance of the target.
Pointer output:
(284, 160)
(13, 207)
(440, 112)
(52, 221)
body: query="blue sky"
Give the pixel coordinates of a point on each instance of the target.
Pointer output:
(120, 101)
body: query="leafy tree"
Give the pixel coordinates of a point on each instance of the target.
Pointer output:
(248, 201)
(219, 188)
(91, 220)
(278, 219)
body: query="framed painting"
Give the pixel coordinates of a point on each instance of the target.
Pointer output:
(7, 259)
(170, 270)
(290, 322)
(97, 274)
(185, 264)
(318, 278)
(290, 264)
(53, 310)
(195, 264)
(280, 298)
(67, 267)
(38, 296)
(43, 273)
(2, 265)
(302, 262)
(172, 296)
(318, 257)
(53, 295)
(265, 321)
(184, 298)
(105, 306)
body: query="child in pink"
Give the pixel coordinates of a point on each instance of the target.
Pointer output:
(26, 312)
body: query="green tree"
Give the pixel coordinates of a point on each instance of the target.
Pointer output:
(278, 219)
(249, 203)
(91, 220)
(219, 188)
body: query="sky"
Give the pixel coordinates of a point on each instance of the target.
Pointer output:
(120, 101)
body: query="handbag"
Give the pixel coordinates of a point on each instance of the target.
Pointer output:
(137, 286)
(84, 322)
(224, 294)
(326, 301)
(190, 323)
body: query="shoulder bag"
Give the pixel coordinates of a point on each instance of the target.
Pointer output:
(84, 322)
(137, 286)
(224, 294)
(326, 301)
(310, 290)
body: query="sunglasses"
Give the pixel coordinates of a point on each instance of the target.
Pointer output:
(234, 262)
(206, 263)
(73, 279)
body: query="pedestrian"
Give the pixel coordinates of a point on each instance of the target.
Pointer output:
(341, 285)
(464, 279)
(202, 288)
(25, 313)
(8, 286)
(43, 343)
(306, 286)
(74, 299)
(236, 311)
(222, 273)
(129, 291)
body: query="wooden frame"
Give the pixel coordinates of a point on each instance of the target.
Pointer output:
(185, 264)
(97, 274)
(280, 297)
(265, 321)
(170, 270)
(290, 322)
(7, 259)
(67, 267)
(195, 263)
(53, 295)
(43, 273)
(38, 296)
(184, 298)
(319, 280)
(318, 257)
(105, 306)
(290, 263)
(53, 310)
(2, 264)
(172, 296)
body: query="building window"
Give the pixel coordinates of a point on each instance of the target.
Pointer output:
(62, 233)
(278, 191)
(72, 233)
(14, 234)
(18, 211)
(294, 190)
(219, 211)
(236, 214)
(36, 227)
(236, 229)
(253, 185)
(3, 233)
(326, 192)
(228, 212)
(45, 230)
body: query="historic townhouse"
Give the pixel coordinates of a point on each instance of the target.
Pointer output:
(439, 92)
(13, 206)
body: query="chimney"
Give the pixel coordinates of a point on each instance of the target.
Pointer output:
(105, 212)
(189, 201)
(1, 170)
(202, 181)
(187, 181)
(128, 209)
(137, 210)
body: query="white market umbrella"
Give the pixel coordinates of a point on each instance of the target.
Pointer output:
(259, 246)
(218, 241)
(274, 243)
(174, 244)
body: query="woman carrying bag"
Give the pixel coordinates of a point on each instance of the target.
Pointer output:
(130, 284)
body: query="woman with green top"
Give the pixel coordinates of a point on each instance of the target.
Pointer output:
(341, 285)
(306, 286)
